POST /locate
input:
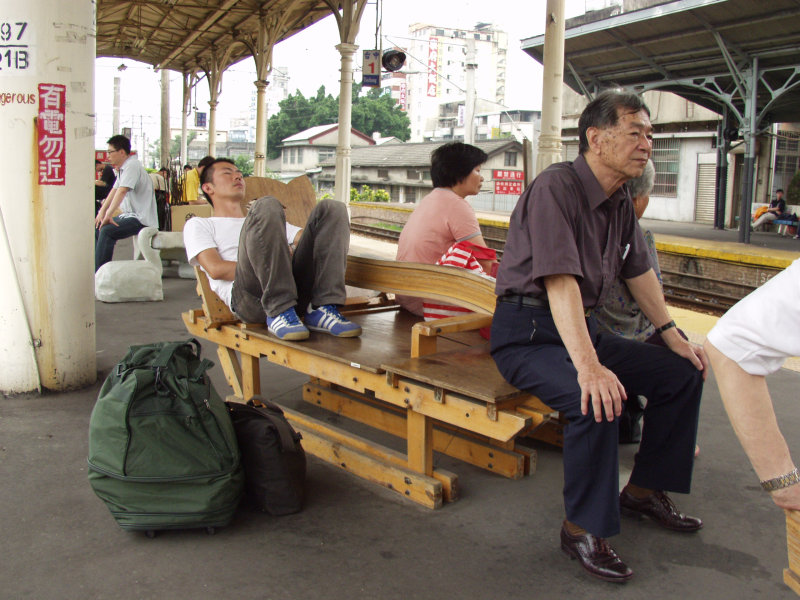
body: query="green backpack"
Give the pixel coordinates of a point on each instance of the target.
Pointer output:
(162, 449)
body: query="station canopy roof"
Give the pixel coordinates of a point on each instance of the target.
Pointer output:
(184, 35)
(702, 50)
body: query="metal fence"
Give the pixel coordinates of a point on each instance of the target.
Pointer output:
(491, 202)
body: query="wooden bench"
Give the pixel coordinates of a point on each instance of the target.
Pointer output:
(432, 383)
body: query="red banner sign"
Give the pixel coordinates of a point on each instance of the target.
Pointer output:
(507, 187)
(52, 134)
(509, 175)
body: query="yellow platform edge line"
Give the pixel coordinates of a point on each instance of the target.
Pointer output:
(725, 251)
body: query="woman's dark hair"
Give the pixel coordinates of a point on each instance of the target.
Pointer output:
(602, 112)
(451, 163)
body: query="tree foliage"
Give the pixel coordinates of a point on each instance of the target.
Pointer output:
(245, 164)
(375, 111)
(367, 194)
(371, 112)
(793, 190)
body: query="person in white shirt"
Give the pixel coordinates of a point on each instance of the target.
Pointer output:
(266, 269)
(132, 194)
(749, 342)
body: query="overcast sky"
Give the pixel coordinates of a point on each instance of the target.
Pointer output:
(312, 60)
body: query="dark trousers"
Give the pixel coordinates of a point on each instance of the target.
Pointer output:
(269, 279)
(531, 356)
(106, 238)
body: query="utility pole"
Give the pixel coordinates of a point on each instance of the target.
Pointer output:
(471, 65)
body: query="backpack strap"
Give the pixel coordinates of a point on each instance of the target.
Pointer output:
(162, 359)
(274, 414)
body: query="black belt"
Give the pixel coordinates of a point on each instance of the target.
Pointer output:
(530, 301)
(524, 301)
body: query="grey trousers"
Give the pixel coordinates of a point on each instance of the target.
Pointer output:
(269, 279)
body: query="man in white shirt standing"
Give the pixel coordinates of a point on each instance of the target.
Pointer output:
(132, 194)
(265, 269)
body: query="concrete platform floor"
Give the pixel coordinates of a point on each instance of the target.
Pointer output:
(353, 539)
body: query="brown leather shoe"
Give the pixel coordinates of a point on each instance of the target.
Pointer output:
(595, 555)
(661, 509)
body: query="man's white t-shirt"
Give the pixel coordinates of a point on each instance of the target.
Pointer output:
(221, 233)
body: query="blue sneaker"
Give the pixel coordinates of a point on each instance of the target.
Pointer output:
(328, 319)
(287, 326)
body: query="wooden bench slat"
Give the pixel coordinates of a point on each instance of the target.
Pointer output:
(471, 372)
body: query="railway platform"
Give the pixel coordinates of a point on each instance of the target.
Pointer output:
(354, 539)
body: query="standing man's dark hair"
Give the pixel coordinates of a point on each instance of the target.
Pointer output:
(603, 112)
(204, 162)
(120, 142)
(452, 162)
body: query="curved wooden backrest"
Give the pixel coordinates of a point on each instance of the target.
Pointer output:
(297, 196)
(450, 285)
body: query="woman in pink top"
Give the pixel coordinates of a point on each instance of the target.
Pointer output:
(444, 217)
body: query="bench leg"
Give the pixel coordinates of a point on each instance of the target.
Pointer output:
(251, 377)
(232, 369)
(420, 442)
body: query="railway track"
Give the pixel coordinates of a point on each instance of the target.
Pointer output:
(685, 290)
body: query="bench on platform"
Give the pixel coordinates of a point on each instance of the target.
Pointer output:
(432, 383)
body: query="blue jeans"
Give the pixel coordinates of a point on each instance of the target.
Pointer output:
(106, 237)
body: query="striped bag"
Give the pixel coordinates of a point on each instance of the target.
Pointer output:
(464, 255)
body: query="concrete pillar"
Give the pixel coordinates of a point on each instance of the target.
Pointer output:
(341, 190)
(212, 128)
(165, 138)
(552, 83)
(47, 318)
(115, 109)
(260, 162)
(348, 21)
(187, 91)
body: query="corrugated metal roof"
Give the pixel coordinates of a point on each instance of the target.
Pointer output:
(689, 47)
(184, 35)
(414, 155)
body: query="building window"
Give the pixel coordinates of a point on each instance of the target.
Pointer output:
(326, 154)
(285, 155)
(426, 175)
(787, 158)
(383, 173)
(394, 193)
(666, 158)
(299, 155)
(412, 175)
(510, 159)
(569, 151)
(291, 156)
